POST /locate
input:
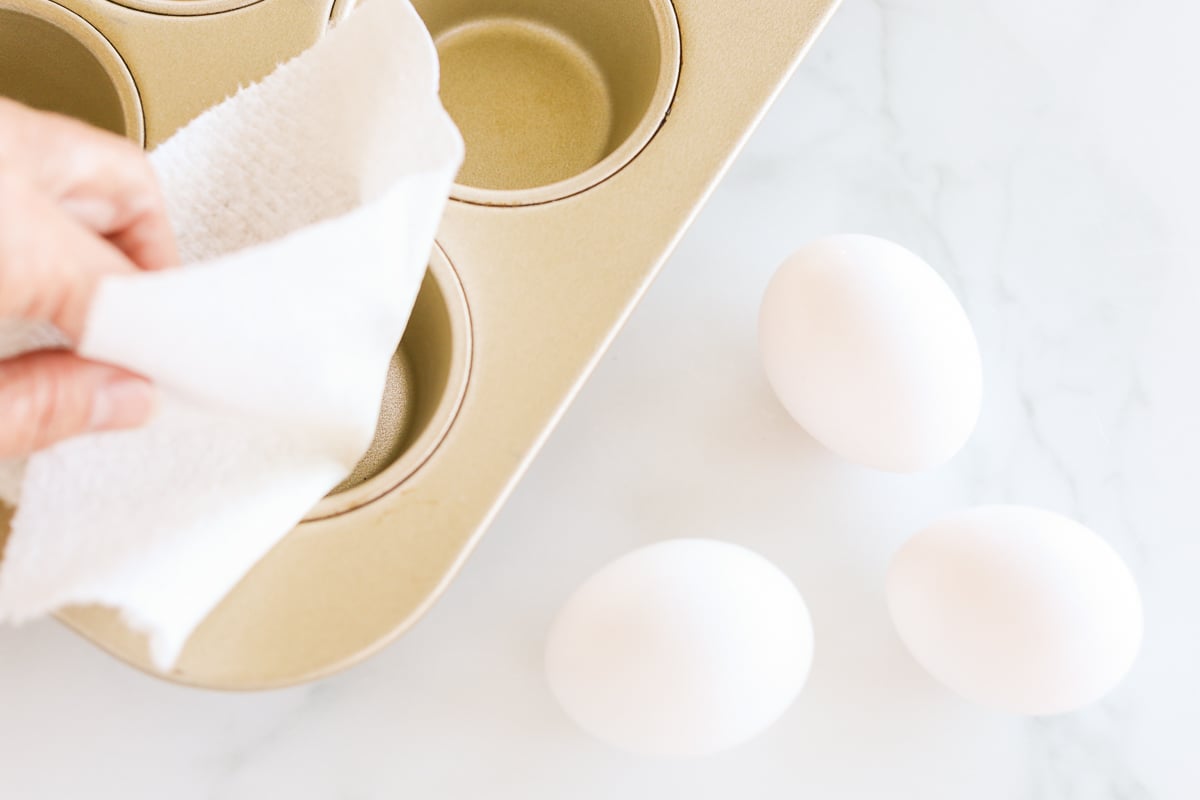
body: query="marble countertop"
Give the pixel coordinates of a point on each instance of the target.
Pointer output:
(1043, 157)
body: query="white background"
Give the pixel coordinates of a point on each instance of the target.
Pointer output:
(1042, 156)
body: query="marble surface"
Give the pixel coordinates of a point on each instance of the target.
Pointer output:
(1042, 156)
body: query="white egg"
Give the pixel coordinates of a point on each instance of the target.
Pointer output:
(869, 350)
(682, 648)
(1015, 608)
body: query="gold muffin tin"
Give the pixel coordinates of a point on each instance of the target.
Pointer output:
(594, 128)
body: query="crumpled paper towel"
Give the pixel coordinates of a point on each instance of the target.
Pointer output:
(305, 208)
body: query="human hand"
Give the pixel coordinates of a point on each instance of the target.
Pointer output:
(77, 204)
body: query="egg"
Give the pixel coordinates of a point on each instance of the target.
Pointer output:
(683, 648)
(870, 352)
(1016, 608)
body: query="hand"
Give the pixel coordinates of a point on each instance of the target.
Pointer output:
(76, 205)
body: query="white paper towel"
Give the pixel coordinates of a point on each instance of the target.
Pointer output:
(305, 207)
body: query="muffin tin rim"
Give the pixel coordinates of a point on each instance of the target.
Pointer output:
(184, 8)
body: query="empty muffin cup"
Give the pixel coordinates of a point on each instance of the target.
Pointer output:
(53, 59)
(552, 97)
(427, 380)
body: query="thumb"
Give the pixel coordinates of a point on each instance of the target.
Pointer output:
(49, 396)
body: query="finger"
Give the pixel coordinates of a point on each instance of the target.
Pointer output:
(50, 396)
(50, 265)
(139, 228)
(103, 180)
(148, 239)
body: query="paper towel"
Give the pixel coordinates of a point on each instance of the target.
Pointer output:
(305, 207)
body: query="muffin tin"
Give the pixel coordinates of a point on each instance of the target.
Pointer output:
(595, 129)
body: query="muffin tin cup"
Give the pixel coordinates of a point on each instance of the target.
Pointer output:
(426, 387)
(54, 59)
(552, 97)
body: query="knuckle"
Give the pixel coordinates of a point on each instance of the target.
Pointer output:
(14, 236)
(44, 407)
(39, 407)
(10, 205)
(14, 199)
(130, 154)
(136, 176)
(141, 170)
(19, 417)
(11, 192)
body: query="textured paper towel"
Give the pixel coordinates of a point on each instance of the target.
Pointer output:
(305, 208)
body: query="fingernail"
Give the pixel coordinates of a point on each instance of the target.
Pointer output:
(124, 403)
